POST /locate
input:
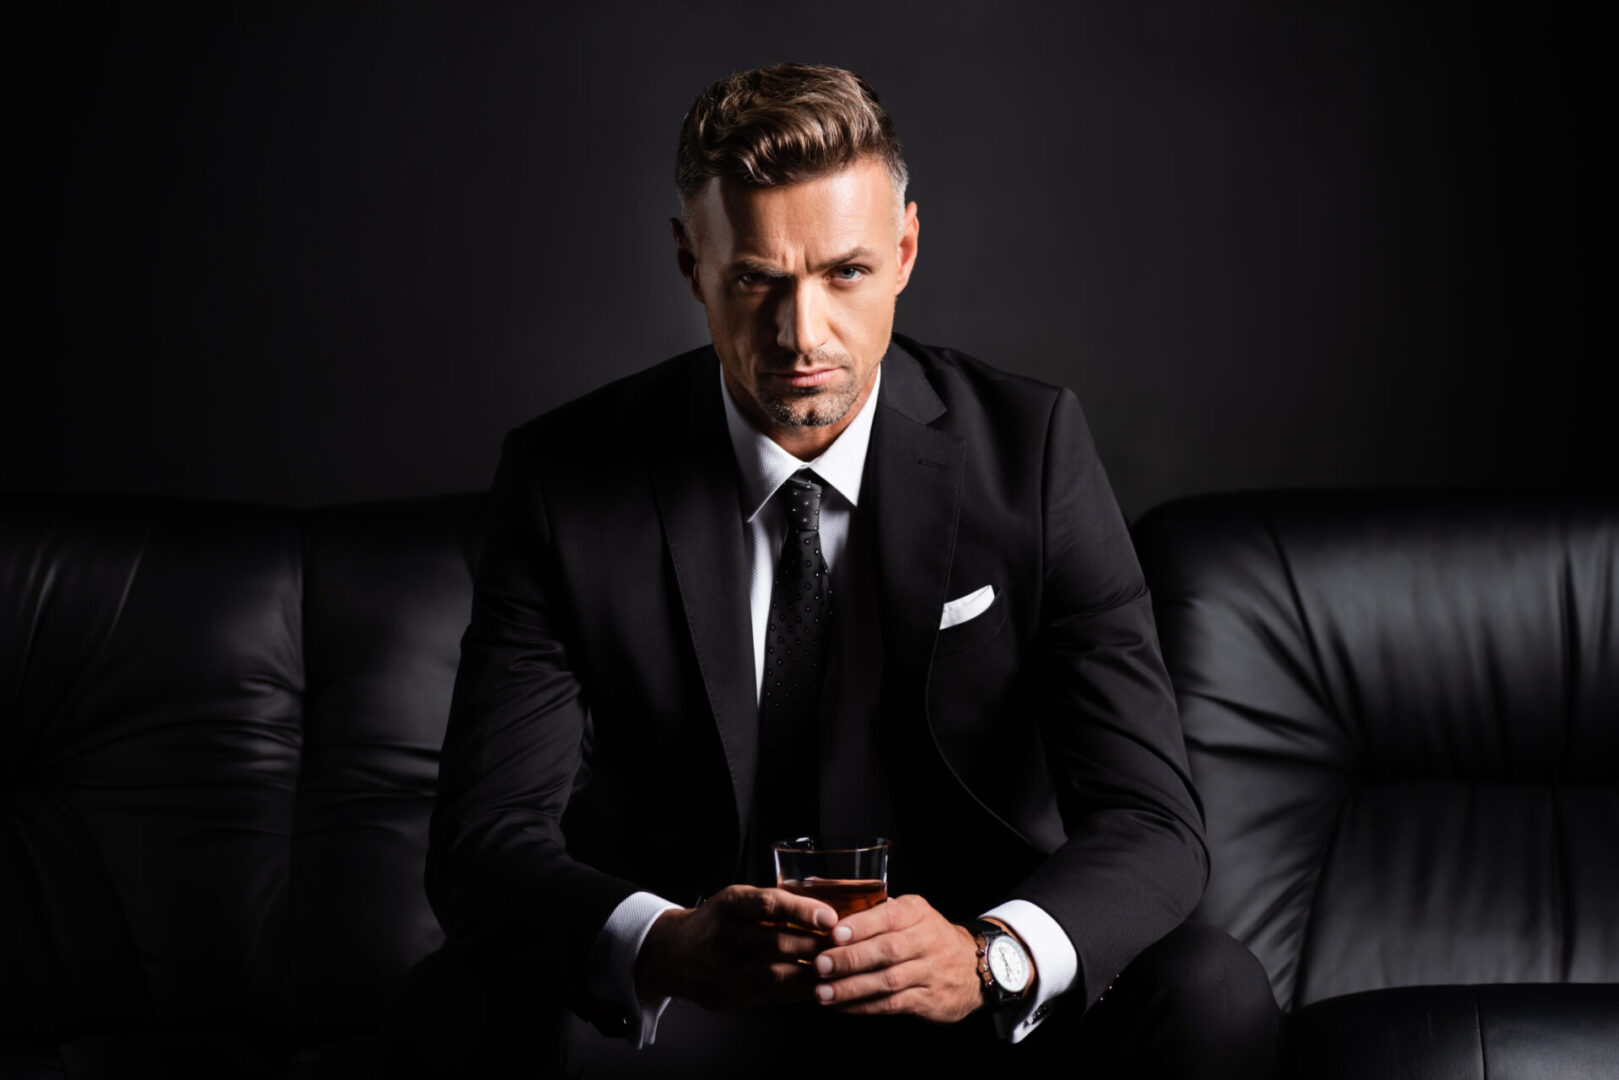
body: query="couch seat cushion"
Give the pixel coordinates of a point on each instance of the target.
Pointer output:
(1496, 1032)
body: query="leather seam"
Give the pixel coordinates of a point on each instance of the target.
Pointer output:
(1562, 883)
(1337, 819)
(1563, 879)
(1286, 566)
(1315, 894)
(1478, 1021)
(1571, 658)
(70, 699)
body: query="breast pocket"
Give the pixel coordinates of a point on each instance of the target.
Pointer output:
(974, 631)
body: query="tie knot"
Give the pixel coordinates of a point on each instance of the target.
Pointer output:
(801, 497)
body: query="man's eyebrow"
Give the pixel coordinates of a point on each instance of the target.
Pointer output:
(852, 255)
(751, 264)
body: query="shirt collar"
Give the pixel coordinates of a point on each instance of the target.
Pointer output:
(766, 466)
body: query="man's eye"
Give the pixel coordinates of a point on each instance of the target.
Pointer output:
(754, 279)
(849, 273)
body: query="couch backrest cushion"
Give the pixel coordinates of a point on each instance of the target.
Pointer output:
(219, 738)
(151, 673)
(388, 592)
(1402, 712)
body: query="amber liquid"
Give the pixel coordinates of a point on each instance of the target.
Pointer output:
(847, 896)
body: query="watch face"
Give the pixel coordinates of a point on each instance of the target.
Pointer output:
(1008, 964)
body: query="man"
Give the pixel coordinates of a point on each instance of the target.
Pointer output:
(821, 578)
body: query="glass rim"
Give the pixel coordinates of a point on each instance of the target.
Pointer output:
(840, 844)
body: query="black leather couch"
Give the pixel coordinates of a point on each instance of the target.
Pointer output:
(219, 736)
(1403, 716)
(219, 728)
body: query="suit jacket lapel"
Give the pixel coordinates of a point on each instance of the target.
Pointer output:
(914, 473)
(695, 484)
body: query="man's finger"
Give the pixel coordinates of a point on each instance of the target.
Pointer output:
(789, 982)
(896, 914)
(884, 950)
(884, 982)
(772, 943)
(781, 906)
(906, 1001)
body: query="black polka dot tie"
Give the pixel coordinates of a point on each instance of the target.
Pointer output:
(795, 661)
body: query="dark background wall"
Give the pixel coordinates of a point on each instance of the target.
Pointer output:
(297, 256)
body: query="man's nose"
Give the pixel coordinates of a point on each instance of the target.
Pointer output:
(801, 319)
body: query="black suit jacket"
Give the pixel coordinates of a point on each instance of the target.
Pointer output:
(602, 736)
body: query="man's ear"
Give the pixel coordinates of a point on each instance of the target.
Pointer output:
(908, 231)
(685, 259)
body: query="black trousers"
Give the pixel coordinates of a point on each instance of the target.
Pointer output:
(1196, 1004)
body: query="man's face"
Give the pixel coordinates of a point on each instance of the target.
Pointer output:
(799, 282)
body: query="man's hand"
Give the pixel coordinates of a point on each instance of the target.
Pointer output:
(742, 946)
(901, 957)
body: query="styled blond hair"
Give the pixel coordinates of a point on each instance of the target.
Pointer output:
(784, 123)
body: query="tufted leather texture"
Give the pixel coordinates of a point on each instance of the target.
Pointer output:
(219, 730)
(1402, 712)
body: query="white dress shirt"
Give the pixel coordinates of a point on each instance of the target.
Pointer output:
(764, 467)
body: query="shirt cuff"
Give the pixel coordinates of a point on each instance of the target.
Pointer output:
(612, 963)
(1056, 964)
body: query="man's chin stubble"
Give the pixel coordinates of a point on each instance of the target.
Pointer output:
(834, 408)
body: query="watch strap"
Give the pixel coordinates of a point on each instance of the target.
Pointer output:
(984, 934)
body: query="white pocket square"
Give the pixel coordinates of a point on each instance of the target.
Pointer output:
(967, 607)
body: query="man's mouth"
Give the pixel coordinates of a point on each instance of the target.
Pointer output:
(805, 379)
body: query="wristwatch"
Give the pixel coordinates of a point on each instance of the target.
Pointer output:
(1003, 964)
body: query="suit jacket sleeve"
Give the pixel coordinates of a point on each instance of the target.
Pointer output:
(1134, 863)
(499, 875)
